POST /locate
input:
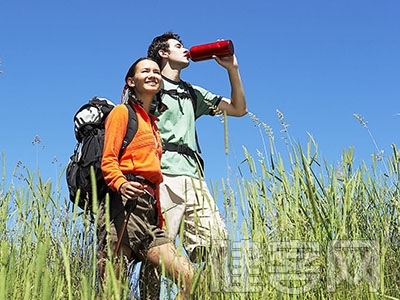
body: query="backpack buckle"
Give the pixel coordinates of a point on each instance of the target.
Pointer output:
(181, 149)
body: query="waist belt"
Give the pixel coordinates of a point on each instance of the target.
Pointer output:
(149, 188)
(150, 191)
(183, 149)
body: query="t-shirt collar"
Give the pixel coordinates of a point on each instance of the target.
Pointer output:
(170, 80)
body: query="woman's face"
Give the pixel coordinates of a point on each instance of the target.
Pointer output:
(147, 78)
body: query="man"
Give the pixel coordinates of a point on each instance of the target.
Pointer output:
(185, 199)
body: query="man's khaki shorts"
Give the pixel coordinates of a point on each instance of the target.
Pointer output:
(141, 233)
(191, 213)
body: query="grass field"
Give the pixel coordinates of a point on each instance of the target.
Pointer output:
(300, 229)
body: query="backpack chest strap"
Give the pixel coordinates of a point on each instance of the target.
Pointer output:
(183, 149)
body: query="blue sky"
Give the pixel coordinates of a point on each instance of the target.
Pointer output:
(318, 62)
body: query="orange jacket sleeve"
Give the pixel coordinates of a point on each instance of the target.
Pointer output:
(115, 130)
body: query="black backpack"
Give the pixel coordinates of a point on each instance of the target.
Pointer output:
(89, 132)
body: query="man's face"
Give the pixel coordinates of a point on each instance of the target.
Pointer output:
(177, 53)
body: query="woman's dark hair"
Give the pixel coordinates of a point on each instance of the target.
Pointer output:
(161, 43)
(132, 69)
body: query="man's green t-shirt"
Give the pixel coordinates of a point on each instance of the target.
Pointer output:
(177, 125)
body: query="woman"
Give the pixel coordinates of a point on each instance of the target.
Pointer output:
(133, 177)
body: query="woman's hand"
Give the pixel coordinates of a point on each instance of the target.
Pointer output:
(131, 190)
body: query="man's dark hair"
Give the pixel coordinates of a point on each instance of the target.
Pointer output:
(161, 43)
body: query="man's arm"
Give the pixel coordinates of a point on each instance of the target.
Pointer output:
(236, 105)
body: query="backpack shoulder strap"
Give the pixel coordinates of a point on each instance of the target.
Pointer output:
(192, 94)
(131, 128)
(193, 98)
(157, 104)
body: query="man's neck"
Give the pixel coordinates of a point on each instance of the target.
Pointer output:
(172, 74)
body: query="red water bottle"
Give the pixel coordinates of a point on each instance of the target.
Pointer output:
(206, 51)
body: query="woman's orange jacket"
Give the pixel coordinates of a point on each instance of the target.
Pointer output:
(141, 157)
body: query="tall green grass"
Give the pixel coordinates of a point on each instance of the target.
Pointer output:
(46, 252)
(300, 229)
